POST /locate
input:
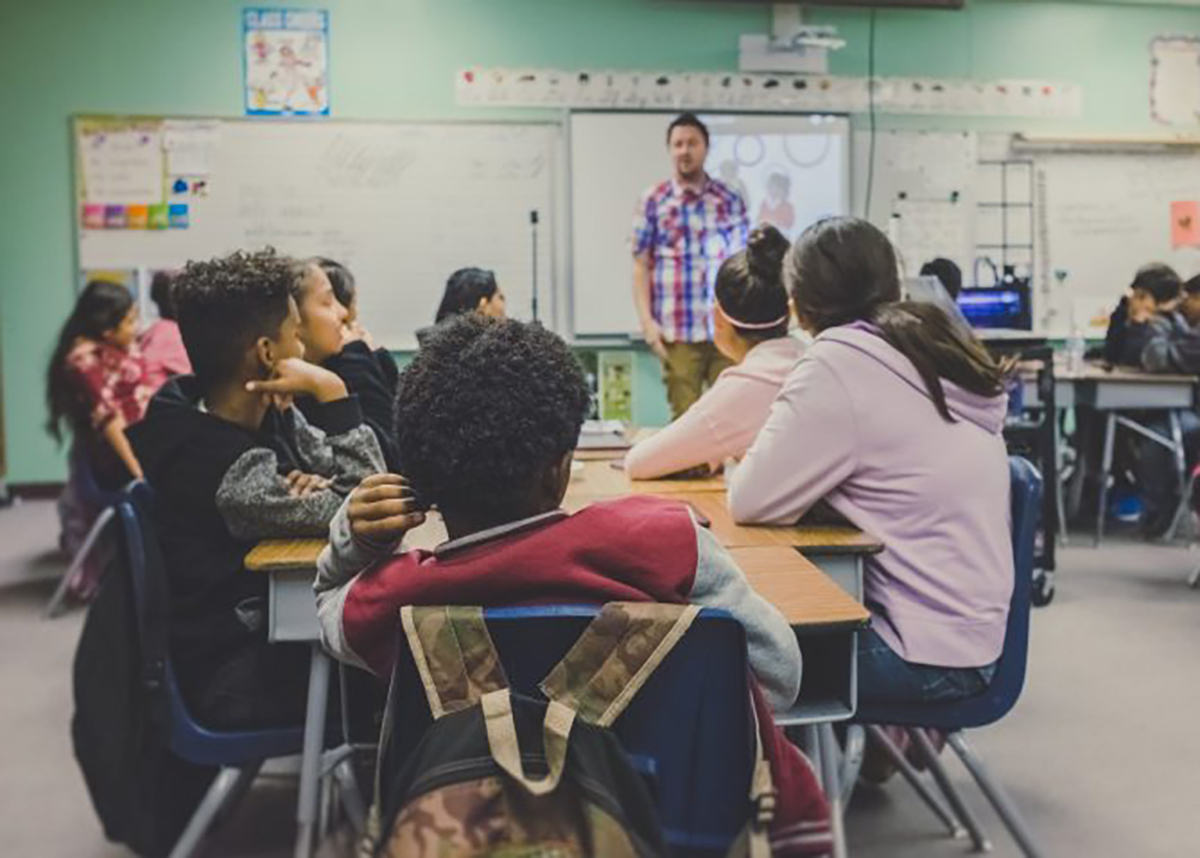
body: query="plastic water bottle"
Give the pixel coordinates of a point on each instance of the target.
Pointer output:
(1076, 348)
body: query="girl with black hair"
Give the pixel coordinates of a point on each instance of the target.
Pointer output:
(162, 344)
(750, 327)
(894, 417)
(95, 388)
(471, 290)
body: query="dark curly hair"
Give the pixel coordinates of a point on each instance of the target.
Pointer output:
(484, 409)
(226, 304)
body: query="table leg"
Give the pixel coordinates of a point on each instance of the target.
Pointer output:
(833, 789)
(1110, 429)
(1181, 472)
(1060, 502)
(314, 744)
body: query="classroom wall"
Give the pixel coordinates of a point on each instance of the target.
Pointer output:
(396, 59)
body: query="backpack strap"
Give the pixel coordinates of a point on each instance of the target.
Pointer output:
(454, 655)
(506, 751)
(611, 661)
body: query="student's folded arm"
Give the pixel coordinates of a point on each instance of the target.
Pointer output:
(255, 502)
(338, 444)
(806, 449)
(771, 644)
(685, 443)
(1158, 355)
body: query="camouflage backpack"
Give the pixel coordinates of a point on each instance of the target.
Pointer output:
(502, 774)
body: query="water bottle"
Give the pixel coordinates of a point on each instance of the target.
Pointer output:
(1076, 348)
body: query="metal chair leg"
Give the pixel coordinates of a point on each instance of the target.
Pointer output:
(53, 607)
(1194, 578)
(964, 813)
(1110, 431)
(852, 758)
(827, 754)
(880, 738)
(224, 786)
(996, 795)
(352, 800)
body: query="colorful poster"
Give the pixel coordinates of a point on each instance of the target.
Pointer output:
(122, 165)
(1185, 224)
(286, 62)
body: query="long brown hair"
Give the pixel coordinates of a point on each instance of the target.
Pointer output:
(843, 270)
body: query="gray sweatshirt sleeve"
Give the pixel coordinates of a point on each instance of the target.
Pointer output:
(1158, 355)
(340, 563)
(773, 650)
(254, 500)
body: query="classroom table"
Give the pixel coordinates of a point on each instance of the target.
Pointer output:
(825, 617)
(1115, 392)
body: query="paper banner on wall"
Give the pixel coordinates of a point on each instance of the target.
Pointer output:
(122, 165)
(286, 61)
(1185, 224)
(1175, 80)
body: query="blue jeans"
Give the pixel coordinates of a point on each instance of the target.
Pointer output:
(884, 677)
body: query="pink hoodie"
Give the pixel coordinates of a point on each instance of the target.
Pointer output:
(855, 425)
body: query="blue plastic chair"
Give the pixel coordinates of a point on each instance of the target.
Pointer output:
(237, 755)
(688, 731)
(991, 705)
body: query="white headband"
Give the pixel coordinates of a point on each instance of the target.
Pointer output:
(749, 326)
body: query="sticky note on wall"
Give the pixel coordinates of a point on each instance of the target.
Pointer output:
(93, 216)
(177, 216)
(114, 217)
(156, 216)
(1185, 224)
(136, 217)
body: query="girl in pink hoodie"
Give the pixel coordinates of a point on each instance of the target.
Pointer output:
(750, 323)
(894, 418)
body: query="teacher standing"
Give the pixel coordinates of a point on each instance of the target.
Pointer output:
(682, 231)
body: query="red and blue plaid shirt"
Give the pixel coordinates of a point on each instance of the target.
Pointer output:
(687, 234)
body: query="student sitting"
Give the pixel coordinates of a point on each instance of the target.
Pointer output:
(1155, 290)
(471, 290)
(489, 413)
(232, 463)
(947, 273)
(161, 343)
(894, 418)
(750, 324)
(371, 375)
(1173, 346)
(96, 385)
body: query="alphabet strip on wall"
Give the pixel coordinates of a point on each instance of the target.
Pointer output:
(651, 90)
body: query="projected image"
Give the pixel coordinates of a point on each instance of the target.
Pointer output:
(788, 180)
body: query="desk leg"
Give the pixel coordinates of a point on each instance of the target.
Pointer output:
(1059, 495)
(314, 743)
(1110, 429)
(828, 745)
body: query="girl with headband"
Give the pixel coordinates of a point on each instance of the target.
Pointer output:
(750, 322)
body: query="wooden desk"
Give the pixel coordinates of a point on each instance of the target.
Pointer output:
(600, 480)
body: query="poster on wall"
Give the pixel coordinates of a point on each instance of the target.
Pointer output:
(1175, 80)
(286, 62)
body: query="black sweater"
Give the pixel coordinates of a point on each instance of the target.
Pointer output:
(219, 489)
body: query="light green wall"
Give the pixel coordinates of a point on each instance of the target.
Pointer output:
(396, 59)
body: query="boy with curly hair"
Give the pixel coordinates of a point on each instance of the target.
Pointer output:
(489, 414)
(232, 462)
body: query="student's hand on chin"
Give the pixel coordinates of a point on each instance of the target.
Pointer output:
(383, 508)
(295, 377)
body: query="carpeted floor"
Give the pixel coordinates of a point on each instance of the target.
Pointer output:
(1100, 754)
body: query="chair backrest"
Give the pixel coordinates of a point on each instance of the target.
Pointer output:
(1005, 688)
(189, 740)
(689, 730)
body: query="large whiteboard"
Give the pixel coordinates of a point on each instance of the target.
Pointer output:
(1101, 216)
(402, 204)
(616, 156)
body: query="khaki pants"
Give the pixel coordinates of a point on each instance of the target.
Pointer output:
(689, 369)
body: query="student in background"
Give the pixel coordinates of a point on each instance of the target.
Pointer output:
(161, 343)
(750, 325)
(1155, 290)
(1173, 346)
(893, 416)
(345, 290)
(471, 289)
(232, 463)
(489, 415)
(947, 273)
(343, 349)
(96, 386)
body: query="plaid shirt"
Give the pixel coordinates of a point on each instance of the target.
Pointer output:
(687, 234)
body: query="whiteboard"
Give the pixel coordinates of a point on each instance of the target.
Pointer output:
(403, 205)
(1100, 217)
(615, 157)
